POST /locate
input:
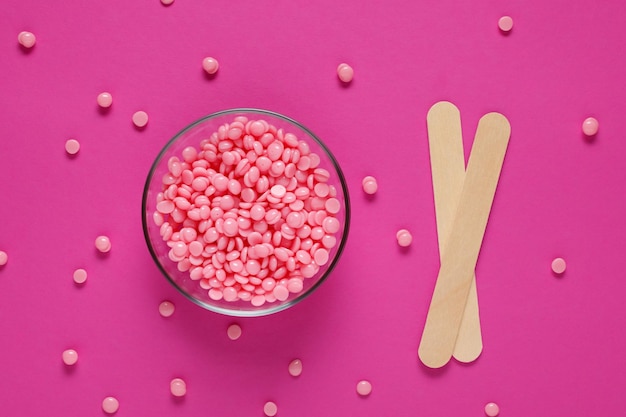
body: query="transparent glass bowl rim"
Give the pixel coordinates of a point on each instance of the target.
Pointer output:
(270, 309)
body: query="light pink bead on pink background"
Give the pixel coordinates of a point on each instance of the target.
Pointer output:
(590, 126)
(295, 367)
(505, 23)
(103, 243)
(210, 65)
(345, 72)
(26, 39)
(364, 388)
(234, 331)
(404, 237)
(166, 308)
(270, 409)
(558, 266)
(140, 118)
(104, 99)
(80, 276)
(492, 410)
(72, 146)
(110, 405)
(178, 387)
(70, 357)
(370, 185)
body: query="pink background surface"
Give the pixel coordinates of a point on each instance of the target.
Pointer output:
(553, 345)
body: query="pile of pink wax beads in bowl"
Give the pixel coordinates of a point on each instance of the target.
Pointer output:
(246, 212)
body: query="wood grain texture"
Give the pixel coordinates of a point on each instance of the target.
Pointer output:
(464, 241)
(448, 171)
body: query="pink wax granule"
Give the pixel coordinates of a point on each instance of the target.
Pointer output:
(26, 39)
(178, 387)
(364, 388)
(345, 72)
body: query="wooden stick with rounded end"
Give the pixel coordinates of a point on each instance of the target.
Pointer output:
(447, 161)
(463, 243)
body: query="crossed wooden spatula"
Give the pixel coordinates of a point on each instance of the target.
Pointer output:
(463, 199)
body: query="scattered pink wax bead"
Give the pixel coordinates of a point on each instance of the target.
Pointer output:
(167, 2)
(234, 332)
(492, 409)
(105, 100)
(4, 258)
(558, 265)
(370, 186)
(210, 65)
(103, 244)
(140, 118)
(80, 276)
(505, 23)
(364, 388)
(110, 405)
(345, 72)
(270, 409)
(295, 367)
(404, 237)
(26, 39)
(590, 126)
(72, 146)
(178, 387)
(166, 308)
(70, 357)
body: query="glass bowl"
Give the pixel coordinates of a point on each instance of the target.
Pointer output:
(269, 261)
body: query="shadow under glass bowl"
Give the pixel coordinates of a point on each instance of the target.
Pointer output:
(193, 135)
